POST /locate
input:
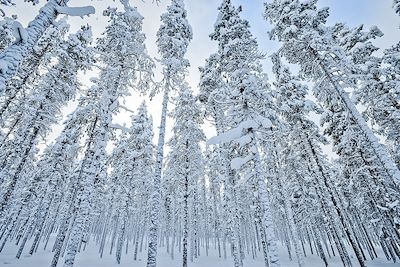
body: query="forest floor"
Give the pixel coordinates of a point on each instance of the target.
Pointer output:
(90, 258)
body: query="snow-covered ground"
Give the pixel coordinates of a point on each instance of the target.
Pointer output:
(90, 258)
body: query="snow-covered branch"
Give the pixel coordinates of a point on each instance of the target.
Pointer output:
(19, 32)
(237, 163)
(239, 133)
(120, 127)
(76, 11)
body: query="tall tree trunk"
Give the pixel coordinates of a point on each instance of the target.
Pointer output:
(383, 156)
(156, 196)
(186, 217)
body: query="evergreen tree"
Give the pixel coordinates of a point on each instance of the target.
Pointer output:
(15, 54)
(43, 108)
(173, 38)
(245, 115)
(132, 163)
(377, 92)
(125, 64)
(47, 190)
(296, 34)
(306, 146)
(78, 128)
(324, 59)
(30, 71)
(390, 92)
(185, 166)
(377, 79)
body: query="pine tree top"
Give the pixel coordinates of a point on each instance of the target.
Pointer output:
(174, 35)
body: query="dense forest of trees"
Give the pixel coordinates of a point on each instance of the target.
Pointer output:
(262, 182)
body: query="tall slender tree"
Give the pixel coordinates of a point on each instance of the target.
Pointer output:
(306, 146)
(185, 165)
(245, 115)
(323, 58)
(42, 109)
(331, 64)
(133, 170)
(125, 64)
(173, 38)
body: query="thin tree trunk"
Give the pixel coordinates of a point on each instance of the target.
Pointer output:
(186, 217)
(156, 196)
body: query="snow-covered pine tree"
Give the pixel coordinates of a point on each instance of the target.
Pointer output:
(42, 109)
(377, 79)
(30, 71)
(247, 111)
(211, 84)
(20, 87)
(185, 168)
(215, 178)
(173, 39)
(290, 174)
(324, 61)
(391, 91)
(27, 212)
(378, 93)
(125, 64)
(47, 189)
(12, 57)
(212, 95)
(132, 162)
(307, 41)
(367, 193)
(77, 128)
(305, 145)
(213, 90)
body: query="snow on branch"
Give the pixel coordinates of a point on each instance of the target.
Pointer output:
(239, 133)
(237, 163)
(126, 109)
(120, 127)
(19, 32)
(76, 11)
(232, 134)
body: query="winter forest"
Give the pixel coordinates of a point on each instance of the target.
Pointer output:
(285, 156)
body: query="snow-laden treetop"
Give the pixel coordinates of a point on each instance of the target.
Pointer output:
(174, 35)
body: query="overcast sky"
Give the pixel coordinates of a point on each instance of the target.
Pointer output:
(202, 15)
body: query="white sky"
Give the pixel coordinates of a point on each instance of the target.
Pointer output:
(202, 15)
